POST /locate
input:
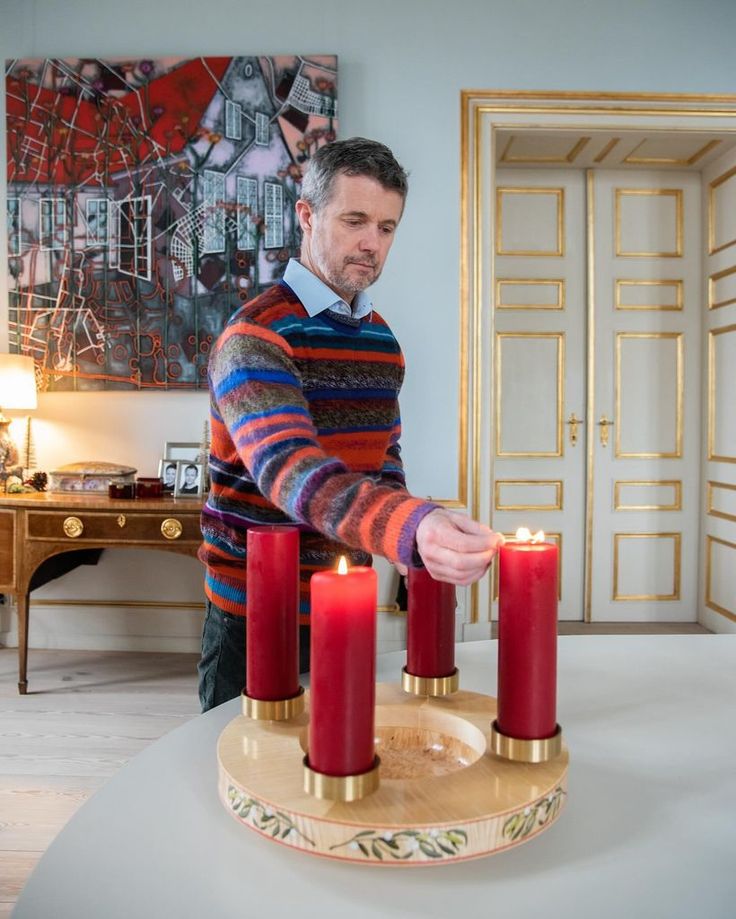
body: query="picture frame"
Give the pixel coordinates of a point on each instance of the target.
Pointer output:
(168, 473)
(181, 450)
(189, 484)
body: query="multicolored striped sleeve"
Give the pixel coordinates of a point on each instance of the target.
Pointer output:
(258, 393)
(392, 469)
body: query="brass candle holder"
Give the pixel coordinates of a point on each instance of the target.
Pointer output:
(430, 685)
(273, 709)
(523, 750)
(344, 788)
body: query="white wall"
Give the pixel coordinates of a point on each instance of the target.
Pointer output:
(402, 64)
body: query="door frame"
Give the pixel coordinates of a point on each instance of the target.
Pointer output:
(483, 113)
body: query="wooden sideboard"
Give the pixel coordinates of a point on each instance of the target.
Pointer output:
(35, 527)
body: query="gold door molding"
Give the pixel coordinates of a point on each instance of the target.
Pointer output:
(554, 504)
(557, 338)
(727, 296)
(621, 194)
(716, 189)
(558, 196)
(729, 496)
(724, 391)
(621, 339)
(719, 545)
(534, 288)
(633, 286)
(530, 158)
(620, 504)
(656, 158)
(620, 539)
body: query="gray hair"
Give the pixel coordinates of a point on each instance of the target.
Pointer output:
(356, 156)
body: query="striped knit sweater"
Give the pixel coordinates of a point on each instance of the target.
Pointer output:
(305, 429)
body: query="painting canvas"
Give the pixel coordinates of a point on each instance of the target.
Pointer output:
(147, 199)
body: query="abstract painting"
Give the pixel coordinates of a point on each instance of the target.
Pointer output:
(147, 199)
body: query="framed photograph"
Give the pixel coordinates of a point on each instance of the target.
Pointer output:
(189, 479)
(167, 472)
(180, 450)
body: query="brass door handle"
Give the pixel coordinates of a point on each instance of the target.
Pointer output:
(573, 421)
(604, 424)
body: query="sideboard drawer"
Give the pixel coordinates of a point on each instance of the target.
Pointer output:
(111, 528)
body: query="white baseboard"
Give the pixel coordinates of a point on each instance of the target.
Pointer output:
(716, 622)
(104, 628)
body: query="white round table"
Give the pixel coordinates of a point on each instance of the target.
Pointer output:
(649, 829)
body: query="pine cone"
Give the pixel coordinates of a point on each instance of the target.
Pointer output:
(38, 481)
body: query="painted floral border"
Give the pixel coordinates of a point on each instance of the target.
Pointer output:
(385, 846)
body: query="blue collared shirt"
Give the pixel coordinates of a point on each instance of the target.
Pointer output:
(316, 296)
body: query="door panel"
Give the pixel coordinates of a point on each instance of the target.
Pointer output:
(647, 381)
(539, 361)
(643, 461)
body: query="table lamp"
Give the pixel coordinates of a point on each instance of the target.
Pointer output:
(17, 392)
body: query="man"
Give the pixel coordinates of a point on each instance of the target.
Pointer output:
(304, 385)
(169, 477)
(189, 484)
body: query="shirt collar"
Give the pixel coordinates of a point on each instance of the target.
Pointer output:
(316, 296)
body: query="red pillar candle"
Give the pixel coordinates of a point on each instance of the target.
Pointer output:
(272, 623)
(430, 624)
(527, 639)
(343, 671)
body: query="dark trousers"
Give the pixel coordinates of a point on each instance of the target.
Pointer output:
(221, 668)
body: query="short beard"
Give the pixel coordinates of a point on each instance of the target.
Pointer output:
(338, 279)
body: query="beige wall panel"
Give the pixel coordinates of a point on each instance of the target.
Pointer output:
(722, 212)
(722, 288)
(720, 586)
(648, 383)
(530, 221)
(722, 412)
(524, 495)
(648, 295)
(721, 500)
(529, 393)
(648, 222)
(643, 496)
(646, 566)
(530, 294)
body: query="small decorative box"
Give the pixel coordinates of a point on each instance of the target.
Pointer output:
(149, 487)
(90, 477)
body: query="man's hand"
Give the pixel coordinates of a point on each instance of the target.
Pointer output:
(455, 548)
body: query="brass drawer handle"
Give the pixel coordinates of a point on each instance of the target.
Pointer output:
(73, 527)
(171, 528)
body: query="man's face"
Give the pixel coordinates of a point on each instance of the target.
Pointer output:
(190, 476)
(346, 242)
(170, 475)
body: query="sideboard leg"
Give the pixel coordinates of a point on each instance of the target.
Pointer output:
(23, 600)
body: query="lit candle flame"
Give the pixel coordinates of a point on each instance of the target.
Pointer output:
(524, 535)
(342, 565)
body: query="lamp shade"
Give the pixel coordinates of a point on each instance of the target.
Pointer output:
(17, 382)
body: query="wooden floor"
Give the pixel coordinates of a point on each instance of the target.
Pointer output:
(87, 714)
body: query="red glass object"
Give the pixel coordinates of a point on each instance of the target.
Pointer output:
(527, 640)
(272, 621)
(343, 671)
(430, 624)
(121, 489)
(146, 487)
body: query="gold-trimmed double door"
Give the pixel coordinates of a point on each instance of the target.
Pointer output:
(596, 416)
